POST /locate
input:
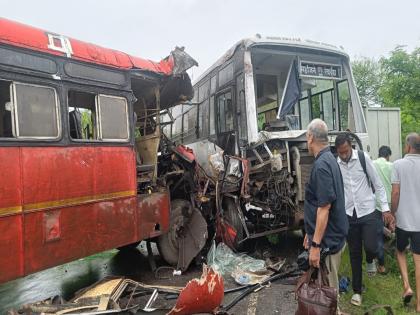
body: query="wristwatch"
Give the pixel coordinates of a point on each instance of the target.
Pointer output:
(315, 245)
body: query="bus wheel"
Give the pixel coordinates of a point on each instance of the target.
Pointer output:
(185, 238)
(232, 218)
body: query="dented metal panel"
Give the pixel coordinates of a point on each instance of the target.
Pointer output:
(21, 35)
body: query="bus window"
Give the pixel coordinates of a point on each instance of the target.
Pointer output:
(177, 125)
(82, 115)
(328, 109)
(6, 118)
(344, 105)
(322, 105)
(267, 96)
(211, 120)
(225, 111)
(36, 111)
(113, 113)
(213, 84)
(305, 114)
(204, 119)
(190, 123)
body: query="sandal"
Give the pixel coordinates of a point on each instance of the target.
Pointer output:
(382, 270)
(356, 299)
(407, 298)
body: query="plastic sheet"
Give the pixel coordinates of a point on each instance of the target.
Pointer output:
(223, 260)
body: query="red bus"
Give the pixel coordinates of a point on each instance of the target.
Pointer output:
(73, 178)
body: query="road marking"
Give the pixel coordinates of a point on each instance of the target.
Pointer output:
(252, 304)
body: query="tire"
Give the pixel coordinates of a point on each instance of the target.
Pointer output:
(167, 245)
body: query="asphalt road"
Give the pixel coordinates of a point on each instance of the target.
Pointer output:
(66, 279)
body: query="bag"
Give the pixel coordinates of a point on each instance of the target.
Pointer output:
(362, 160)
(314, 296)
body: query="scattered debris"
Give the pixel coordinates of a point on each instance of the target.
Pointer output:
(110, 295)
(114, 295)
(225, 261)
(203, 295)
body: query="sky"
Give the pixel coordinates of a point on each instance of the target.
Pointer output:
(152, 28)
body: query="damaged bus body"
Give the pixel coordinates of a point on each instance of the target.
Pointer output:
(246, 128)
(68, 109)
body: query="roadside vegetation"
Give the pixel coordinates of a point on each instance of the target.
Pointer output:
(392, 81)
(380, 289)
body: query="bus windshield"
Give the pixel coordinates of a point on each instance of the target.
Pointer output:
(323, 90)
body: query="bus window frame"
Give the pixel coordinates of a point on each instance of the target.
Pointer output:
(98, 106)
(331, 90)
(96, 92)
(338, 101)
(225, 90)
(13, 98)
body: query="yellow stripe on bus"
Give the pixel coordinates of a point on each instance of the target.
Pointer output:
(10, 210)
(66, 202)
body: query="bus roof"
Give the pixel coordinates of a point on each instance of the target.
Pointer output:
(21, 35)
(259, 40)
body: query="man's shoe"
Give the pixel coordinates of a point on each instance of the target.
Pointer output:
(371, 269)
(356, 299)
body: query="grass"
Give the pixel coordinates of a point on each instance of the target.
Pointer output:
(380, 289)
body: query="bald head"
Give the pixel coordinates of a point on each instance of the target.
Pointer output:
(413, 141)
(318, 129)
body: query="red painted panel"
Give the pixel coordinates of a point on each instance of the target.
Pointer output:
(60, 173)
(115, 169)
(21, 35)
(153, 210)
(10, 192)
(57, 173)
(83, 230)
(65, 226)
(11, 253)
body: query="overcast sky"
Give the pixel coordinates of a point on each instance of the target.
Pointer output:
(207, 28)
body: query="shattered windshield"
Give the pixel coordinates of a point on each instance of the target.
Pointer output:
(303, 91)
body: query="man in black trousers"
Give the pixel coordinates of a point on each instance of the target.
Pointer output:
(361, 182)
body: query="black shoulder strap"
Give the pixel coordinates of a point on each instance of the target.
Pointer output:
(362, 160)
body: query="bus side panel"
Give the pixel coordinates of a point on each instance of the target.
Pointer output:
(73, 232)
(153, 213)
(77, 201)
(11, 252)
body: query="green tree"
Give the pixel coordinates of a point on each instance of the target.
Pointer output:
(369, 78)
(401, 86)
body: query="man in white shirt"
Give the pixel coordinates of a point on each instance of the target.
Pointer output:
(405, 205)
(361, 182)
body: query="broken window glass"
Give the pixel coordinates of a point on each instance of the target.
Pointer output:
(82, 115)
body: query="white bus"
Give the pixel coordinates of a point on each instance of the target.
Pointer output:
(254, 103)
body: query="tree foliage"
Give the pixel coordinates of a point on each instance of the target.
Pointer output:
(392, 81)
(401, 87)
(369, 78)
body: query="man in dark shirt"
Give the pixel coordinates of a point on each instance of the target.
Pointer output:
(326, 223)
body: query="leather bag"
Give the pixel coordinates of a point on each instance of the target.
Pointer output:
(314, 295)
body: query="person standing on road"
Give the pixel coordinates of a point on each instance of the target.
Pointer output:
(326, 223)
(383, 168)
(405, 205)
(360, 184)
